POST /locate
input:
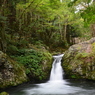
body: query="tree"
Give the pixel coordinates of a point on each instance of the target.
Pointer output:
(28, 21)
(87, 12)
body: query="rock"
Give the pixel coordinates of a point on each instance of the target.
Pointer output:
(46, 64)
(4, 93)
(11, 72)
(79, 60)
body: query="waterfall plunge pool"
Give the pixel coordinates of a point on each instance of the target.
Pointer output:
(74, 87)
(56, 85)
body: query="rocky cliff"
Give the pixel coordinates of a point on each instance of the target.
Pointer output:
(79, 60)
(11, 73)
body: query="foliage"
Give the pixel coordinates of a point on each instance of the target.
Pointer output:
(87, 11)
(11, 49)
(89, 15)
(31, 59)
(52, 22)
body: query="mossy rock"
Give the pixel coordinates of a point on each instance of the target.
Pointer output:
(79, 60)
(46, 64)
(4, 93)
(11, 72)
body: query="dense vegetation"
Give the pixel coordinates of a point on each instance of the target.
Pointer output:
(53, 23)
(29, 25)
(36, 63)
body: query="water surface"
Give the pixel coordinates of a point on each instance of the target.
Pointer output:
(72, 88)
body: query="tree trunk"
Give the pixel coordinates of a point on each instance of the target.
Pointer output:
(68, 34)
(2, 38)
(93, 30)
(65, 32)
(3, 44)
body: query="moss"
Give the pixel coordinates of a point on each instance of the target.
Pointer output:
(93, 50)
(71, 68)
(15, 71)
(81, 55)
(78, 47)
(79, 61)
(75, 76)
(93, 44)
(4, 93)
(46, 64)
(79, 65)
(19, 70)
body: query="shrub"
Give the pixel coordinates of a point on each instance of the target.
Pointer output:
(12, 50)
(31, 60)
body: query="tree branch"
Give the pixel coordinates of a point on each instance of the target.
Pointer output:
(28, 7)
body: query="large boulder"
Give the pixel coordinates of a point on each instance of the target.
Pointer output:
(11, 72)
(79, 60)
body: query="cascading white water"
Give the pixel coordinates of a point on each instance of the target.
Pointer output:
(56, 84)
(57, 71)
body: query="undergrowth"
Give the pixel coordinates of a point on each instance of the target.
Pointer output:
(31, 59)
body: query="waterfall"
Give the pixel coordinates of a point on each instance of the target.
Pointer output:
(57, 71)
(56, 84)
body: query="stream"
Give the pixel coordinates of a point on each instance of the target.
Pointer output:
(56, 85)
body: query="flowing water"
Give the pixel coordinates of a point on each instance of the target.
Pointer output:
(56, 84)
